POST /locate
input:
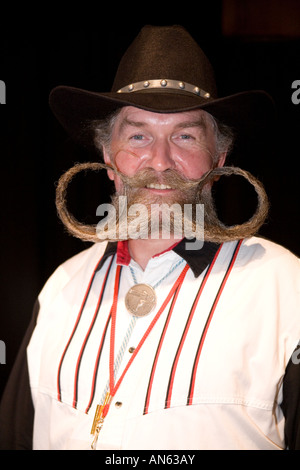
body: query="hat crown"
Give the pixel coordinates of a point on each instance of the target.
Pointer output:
(167, 52)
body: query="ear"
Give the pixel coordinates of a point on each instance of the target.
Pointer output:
(222, 159)
(220, 163)
(107, 160)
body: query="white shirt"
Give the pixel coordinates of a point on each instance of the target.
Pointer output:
(208, 376)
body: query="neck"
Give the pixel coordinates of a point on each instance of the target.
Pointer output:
(142, 250)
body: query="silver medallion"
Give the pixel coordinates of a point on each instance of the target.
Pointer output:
(140, 300)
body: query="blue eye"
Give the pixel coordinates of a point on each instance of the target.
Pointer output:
(137, 137)
(185, 137)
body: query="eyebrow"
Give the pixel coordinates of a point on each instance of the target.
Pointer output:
(198, 123)
(128, 122)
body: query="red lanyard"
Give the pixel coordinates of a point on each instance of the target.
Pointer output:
(102, 409)
(114, 388)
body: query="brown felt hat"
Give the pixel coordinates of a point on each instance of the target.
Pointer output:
(163, 70)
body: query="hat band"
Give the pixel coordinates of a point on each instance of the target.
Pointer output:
(164, 84)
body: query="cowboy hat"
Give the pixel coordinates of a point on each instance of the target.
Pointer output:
(163, 70)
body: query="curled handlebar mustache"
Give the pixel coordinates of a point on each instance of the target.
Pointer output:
(214, 229)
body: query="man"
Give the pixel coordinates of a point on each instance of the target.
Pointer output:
(147, 342)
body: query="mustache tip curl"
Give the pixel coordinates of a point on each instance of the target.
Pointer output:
(214, 229)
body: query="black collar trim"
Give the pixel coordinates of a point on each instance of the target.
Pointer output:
(197, 260)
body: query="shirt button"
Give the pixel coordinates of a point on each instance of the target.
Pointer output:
(118, 404)
(131, 350)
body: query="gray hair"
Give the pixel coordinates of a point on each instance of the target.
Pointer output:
(102, 131)
(224, 137)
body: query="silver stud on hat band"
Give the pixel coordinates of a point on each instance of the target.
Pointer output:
(164, 84)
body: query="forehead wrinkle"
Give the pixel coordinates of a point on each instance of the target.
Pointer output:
(126, 122)
(200, 122)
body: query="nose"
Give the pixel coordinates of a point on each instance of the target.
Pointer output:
(160, 156)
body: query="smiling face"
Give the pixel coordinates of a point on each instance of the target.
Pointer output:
(161, 159)
(143, 140)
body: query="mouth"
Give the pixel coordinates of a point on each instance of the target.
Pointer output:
(158, 186)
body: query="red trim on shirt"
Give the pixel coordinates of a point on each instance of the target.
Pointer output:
(211, 313)
(88, 334)
(167, 249)
(74, 330)
(183, 338)
(147, 401)
(123, 255)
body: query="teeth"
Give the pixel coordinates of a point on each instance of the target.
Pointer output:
(158, 186)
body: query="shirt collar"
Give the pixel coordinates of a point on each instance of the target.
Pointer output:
(197, 260)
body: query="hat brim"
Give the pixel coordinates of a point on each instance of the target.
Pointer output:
(75, 108)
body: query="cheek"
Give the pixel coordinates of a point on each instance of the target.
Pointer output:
(127, 162)
(194, 165)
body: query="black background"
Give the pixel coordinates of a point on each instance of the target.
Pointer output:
(81, 45)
